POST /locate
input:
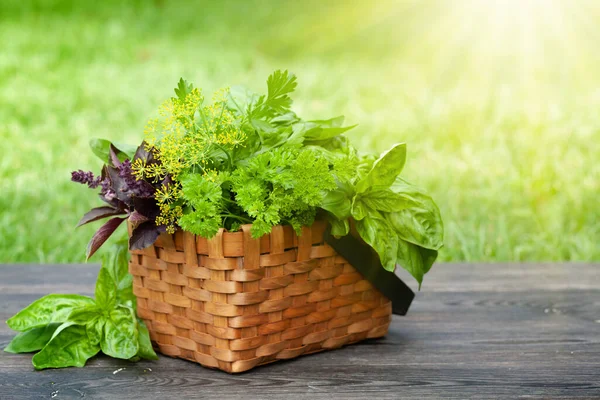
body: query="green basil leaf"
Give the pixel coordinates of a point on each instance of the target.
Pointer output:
(359, 209)
(83, 315)
(69, 347)
(32, 340)
(95, 329)
(48, 309)
(428, 256)
(415, 259)
(365, 164)
(381, 237)
(385, 170)
(145, 345)
(420, 224)
(339, 227)
(126, 151)
(125, 292)
(387, 200)
(116, 262)
(337, 203)
(120, 334)
(106, 290)
(409, 258)
(101, 148)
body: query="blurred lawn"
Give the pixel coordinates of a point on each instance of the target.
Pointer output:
(502, 117)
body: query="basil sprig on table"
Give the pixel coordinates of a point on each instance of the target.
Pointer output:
(68, 329)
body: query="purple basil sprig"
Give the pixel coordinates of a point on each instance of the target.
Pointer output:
(86, 178)
(126, 198)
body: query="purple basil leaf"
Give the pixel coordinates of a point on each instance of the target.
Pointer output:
(142, 153)
(118, 185)
(144, 189)
(98, 213)
(115, 203)
(145, 235)
(113, 156)
(167, 181)
(147, 207)
(136, 218)
(102, 234)
(145, 155)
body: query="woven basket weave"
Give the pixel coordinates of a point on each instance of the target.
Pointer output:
(234, 302)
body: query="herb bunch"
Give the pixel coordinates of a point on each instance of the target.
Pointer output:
(65, 330)
(245, 158)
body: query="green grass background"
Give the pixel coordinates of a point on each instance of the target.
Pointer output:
(502, 121)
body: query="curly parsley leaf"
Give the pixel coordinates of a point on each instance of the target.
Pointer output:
(282, 185)
(205, 205)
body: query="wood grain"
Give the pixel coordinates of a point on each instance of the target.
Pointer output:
(475, 331)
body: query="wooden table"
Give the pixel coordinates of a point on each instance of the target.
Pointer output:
(475, 331)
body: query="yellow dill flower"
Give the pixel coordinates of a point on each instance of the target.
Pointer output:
(210, 175)
(188, 135)
(138, 167)
(166, 195)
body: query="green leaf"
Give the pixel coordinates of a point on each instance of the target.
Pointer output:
(101, 148)
(337, 203)
(83, 315)
(279, 85)
(125, 292)
(69, 347)
(106, 290)
(359, 209)
(324, 129)
(32, 340)
(385, 169)
(183, 89)
(428, 256)
(335, 122)
(415, 259)
(116, 262)
(126, 151)
(339, 227)
(380, 235)
(386, 200)
(409, 257)
(145, 345)
(420, 223)
(95, 329)
(48, 309)
(120, 334)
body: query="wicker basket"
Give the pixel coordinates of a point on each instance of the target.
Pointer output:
(234, 302)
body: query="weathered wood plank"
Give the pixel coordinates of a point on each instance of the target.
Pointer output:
(476, 331)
